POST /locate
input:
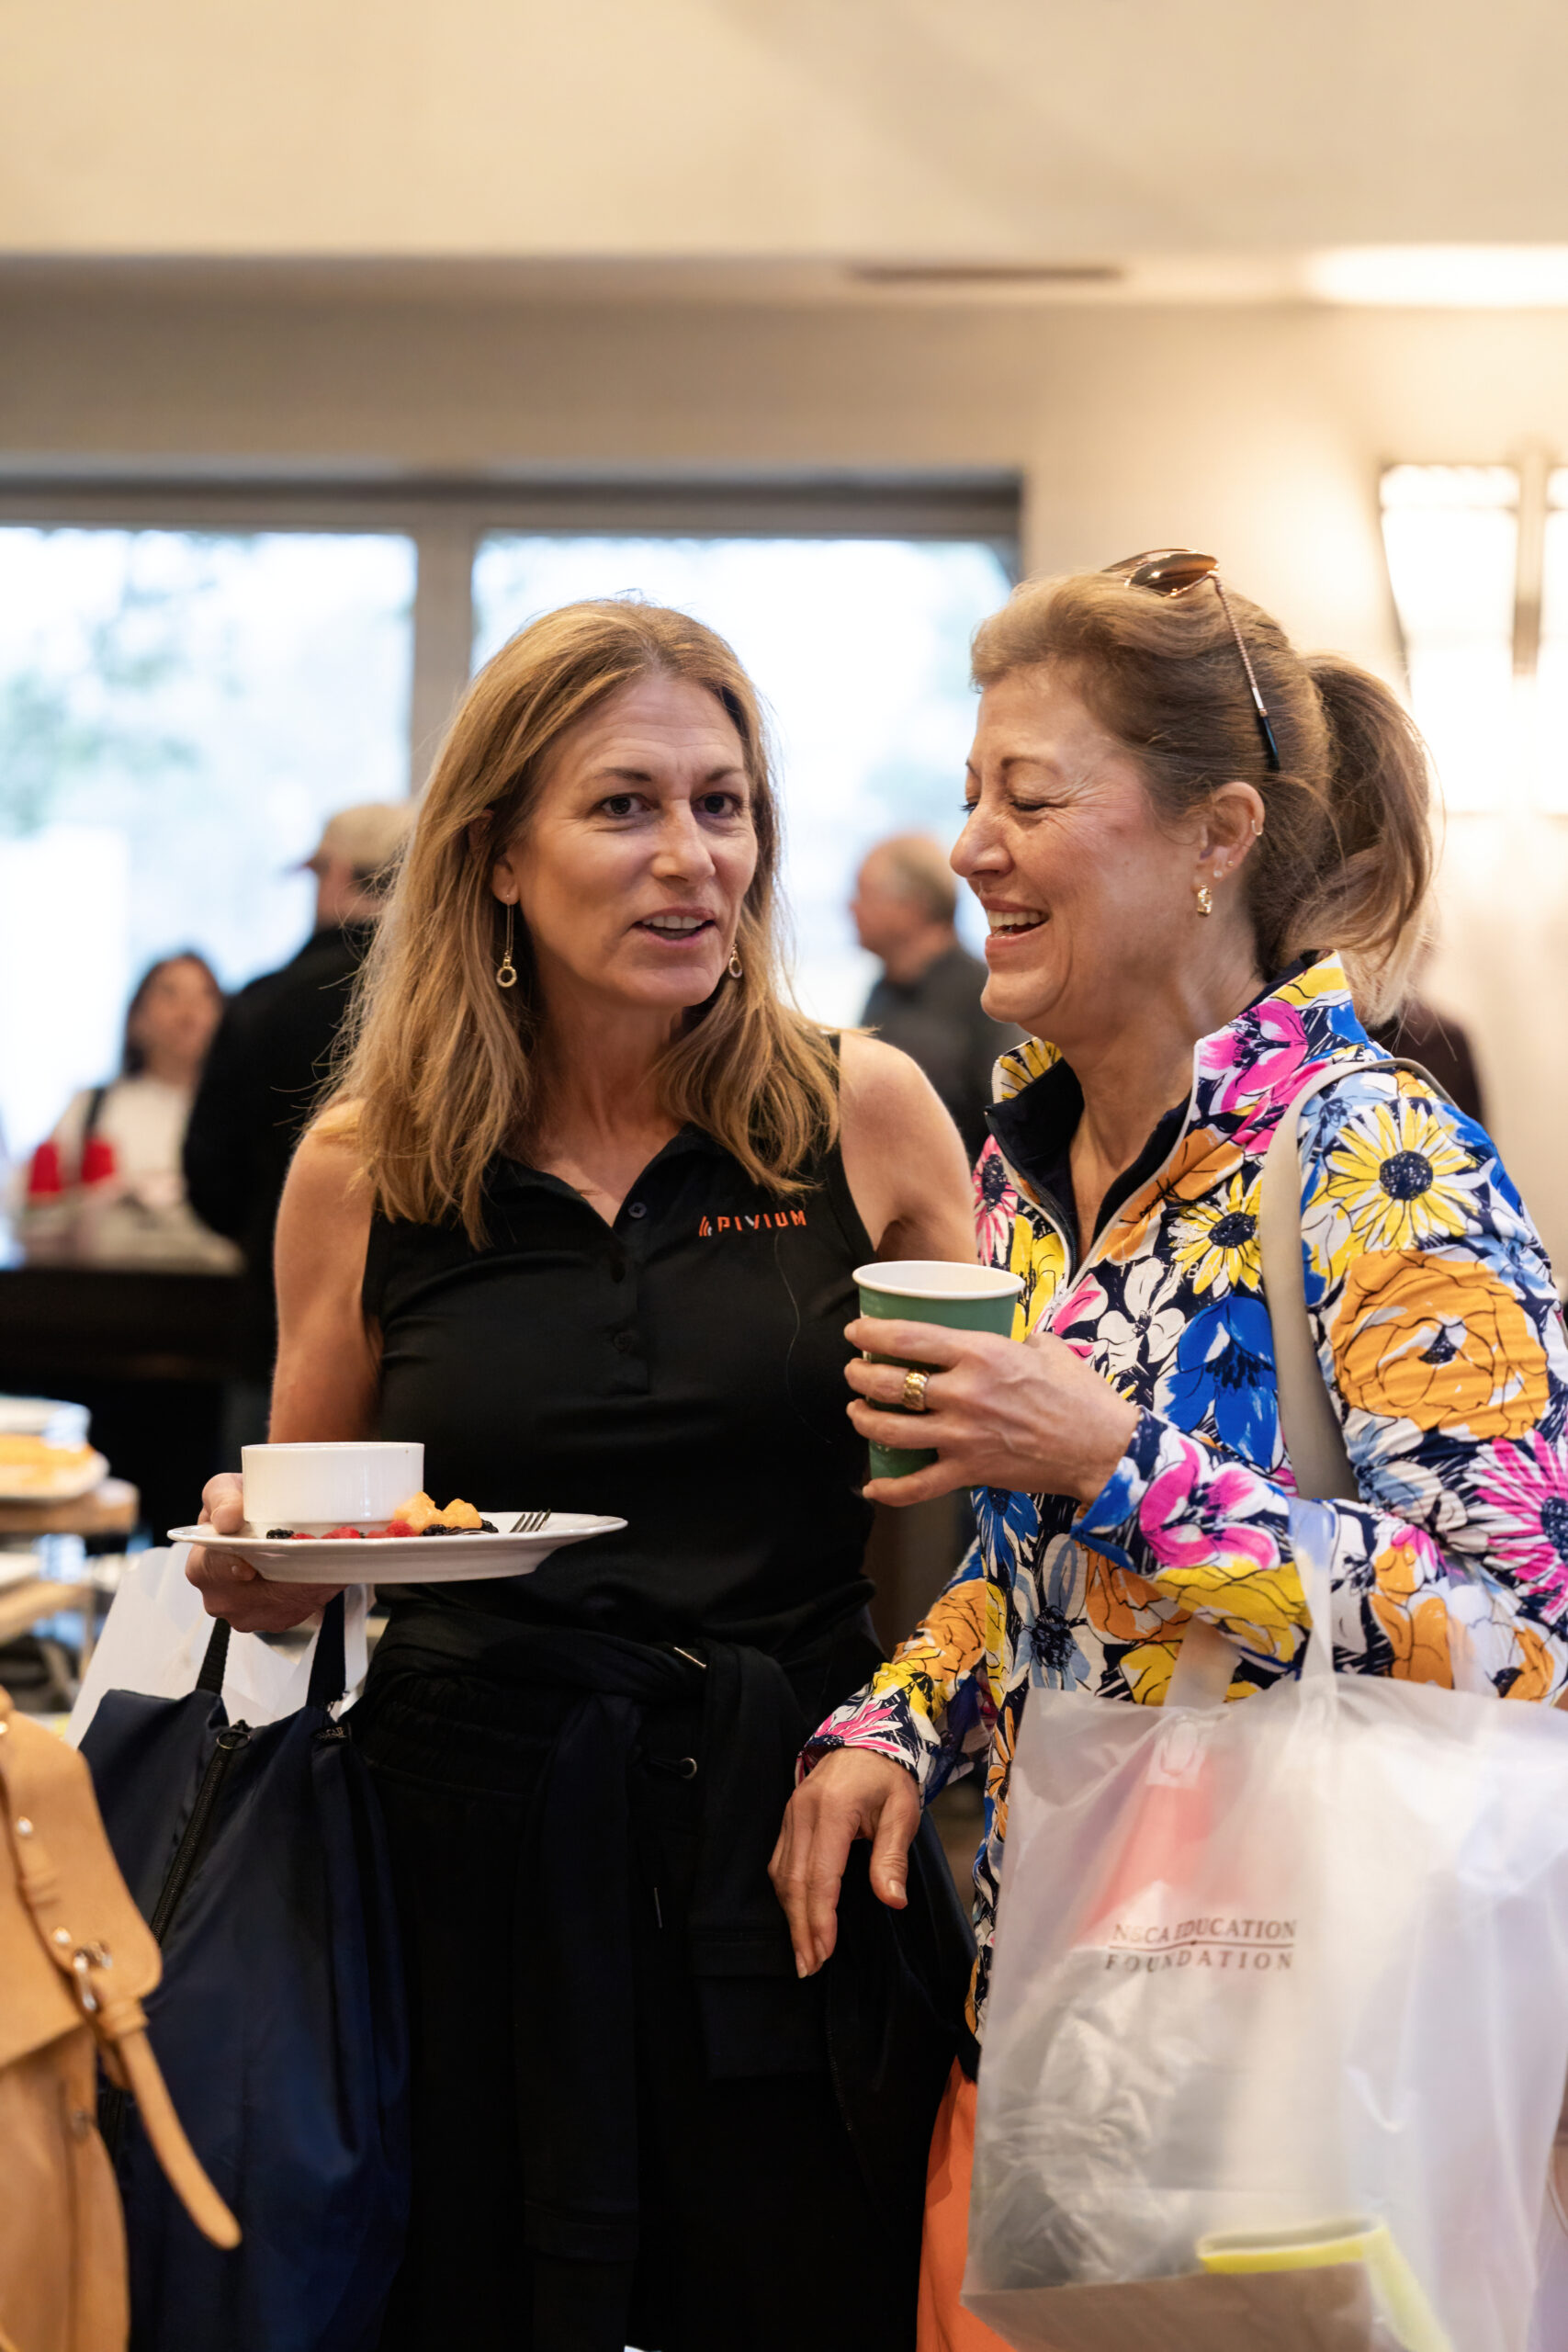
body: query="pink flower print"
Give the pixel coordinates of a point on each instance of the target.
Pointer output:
(996, 1205)
(1182, 1534)
(1231, 1488)
(1265, 1053)
(1088, 1302)
(1175, 1538)
(1527, 1487)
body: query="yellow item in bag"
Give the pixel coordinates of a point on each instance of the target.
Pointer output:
(1325, 2244)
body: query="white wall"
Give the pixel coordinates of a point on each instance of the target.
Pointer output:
(1256, 432)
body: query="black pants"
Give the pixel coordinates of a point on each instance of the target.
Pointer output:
(757, 2231)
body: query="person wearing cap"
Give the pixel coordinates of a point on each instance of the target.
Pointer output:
(927, 1001)
(266, 1067)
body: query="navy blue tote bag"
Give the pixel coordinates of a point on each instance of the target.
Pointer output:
(259, 1859)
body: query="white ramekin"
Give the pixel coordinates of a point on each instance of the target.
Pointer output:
(310, 1488)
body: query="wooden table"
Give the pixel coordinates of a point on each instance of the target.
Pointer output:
(22, 1606)
(107, 1509)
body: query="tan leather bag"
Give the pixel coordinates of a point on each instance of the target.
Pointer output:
(76, 1957)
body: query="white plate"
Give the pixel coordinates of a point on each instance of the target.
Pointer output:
(406, 1559)
(45, 1417)
(25, 1483)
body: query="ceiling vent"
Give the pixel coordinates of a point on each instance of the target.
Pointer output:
(982, 275)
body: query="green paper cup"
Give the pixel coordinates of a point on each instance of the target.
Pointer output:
(931, 1290)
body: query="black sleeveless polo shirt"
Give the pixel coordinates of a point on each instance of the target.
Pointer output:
(682, 1369)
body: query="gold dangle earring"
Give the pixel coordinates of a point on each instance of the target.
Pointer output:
(735, 967)
(1205, 899)
(506, 971)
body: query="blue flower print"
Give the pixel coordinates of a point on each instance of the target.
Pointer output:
(1224, 1375)
(1003, 1513)
(1340, 1025)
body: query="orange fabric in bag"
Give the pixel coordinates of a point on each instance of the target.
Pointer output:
(944, 2325)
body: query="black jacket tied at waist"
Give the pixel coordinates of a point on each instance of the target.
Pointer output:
(884, 2018)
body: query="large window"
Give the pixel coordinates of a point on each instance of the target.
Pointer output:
(191, 681)
(179, 711)
(1452, 536)
(1550, 712)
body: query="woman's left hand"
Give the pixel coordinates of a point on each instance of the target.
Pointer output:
(1034, 1418)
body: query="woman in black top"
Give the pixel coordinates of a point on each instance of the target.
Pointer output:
(583, 1219)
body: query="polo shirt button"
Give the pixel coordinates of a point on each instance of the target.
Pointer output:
(636, 1208)
(626, 1341)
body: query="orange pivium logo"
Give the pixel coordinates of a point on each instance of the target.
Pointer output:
(765, 1221)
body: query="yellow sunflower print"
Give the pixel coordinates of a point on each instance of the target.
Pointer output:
(1215, 1241)
(1401, 1177)
(1042, 1259)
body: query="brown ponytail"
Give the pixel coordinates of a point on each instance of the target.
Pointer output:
(1345, 857)
(1370, 893)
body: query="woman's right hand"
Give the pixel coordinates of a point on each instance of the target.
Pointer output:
(228, 1584)
(853, 1792)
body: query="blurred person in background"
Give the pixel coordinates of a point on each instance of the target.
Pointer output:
(104, 1191)
(268, 1064)
(928, 1001)
(1419, 1032)
(107, 1183)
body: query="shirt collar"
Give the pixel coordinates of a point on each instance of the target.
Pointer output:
(1242, 1075)
(508, 1176)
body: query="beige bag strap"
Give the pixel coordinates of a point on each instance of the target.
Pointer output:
(96, 1940)
(1314, 1445)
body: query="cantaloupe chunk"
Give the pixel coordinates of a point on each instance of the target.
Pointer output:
(417, 1512)
(459, 1514)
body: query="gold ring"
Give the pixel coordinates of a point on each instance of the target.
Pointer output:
(912, 1395)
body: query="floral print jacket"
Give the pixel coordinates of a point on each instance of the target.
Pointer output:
(1439, 1334)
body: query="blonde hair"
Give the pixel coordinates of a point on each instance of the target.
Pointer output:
(438, 1069)
(1344, 861)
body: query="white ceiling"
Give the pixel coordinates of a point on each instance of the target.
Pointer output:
(784, 132)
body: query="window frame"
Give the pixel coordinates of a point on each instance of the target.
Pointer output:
(446, 516)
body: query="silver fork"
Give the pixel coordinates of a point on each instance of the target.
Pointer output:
(529, 1522)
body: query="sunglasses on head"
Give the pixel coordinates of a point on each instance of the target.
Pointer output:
(1176, 571)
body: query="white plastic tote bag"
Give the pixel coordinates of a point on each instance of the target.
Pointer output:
(155, 1637)
(1279, 1984)
(1278, 2030)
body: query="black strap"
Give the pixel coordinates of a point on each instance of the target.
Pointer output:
(328, 1668)
(328, 1671)
(95, 1112)
(216, 1658)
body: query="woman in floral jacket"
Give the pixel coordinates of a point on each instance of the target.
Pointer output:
(1170, 814)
